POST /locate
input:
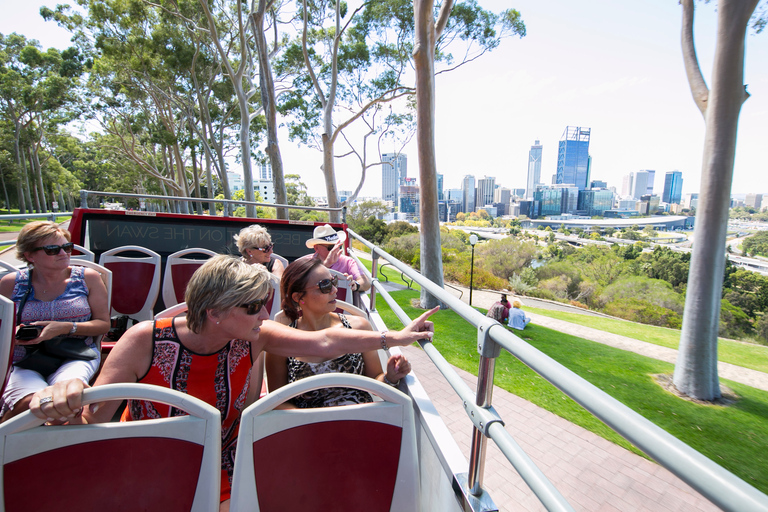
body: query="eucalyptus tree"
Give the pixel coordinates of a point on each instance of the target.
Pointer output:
(696, 366)
(354, 62)
(34, 86)
(463, 25)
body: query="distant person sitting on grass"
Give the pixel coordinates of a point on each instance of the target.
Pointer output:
(517, 318)
(500, 310)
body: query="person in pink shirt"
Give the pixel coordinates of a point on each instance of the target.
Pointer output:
(328, 245)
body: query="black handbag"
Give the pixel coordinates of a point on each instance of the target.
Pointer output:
(47, 356)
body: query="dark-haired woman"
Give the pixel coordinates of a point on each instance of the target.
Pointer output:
(309, 301)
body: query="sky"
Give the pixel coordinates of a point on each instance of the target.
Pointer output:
(612, 66)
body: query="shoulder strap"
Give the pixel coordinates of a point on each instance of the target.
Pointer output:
(24, 299)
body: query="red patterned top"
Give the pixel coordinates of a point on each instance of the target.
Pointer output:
(220, 379)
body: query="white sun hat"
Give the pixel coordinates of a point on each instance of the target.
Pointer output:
(325, 235)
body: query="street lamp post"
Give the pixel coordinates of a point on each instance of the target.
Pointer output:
(472, 242)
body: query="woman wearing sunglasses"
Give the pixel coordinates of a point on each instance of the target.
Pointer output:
(309, 301)
(58, 299)
(255, 244)
(209, 353)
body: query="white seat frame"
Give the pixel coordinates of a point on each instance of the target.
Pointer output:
(172, 311)
(24, 435)
(261, 420)
(106, 277)
(7, 333)
(178, 258)
(112, 255)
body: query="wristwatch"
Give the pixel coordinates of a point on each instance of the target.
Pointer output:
(73, 330)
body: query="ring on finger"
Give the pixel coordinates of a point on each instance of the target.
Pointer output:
(46, 400)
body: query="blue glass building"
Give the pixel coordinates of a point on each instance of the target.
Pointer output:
(673, 187)
(595, 202)
(573, 162)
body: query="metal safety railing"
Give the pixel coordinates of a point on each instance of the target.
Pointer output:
(717, 484)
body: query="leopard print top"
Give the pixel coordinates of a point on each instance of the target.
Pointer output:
(348, 363)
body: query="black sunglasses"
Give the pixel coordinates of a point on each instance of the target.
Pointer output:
(53, 250)
(326, 285)
(253, 308)
(264, 249)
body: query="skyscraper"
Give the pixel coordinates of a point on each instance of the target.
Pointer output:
(265, 171)
(573, 157)
(640, 184)
(534, 170)
(440, 187)
(673, 187)
(649, 182)
(626, 185)
(394, 170)
(484, 191)
(468, 193)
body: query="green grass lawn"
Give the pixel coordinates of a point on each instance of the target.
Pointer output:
(731, 436)
(748, 355)
(11, 226)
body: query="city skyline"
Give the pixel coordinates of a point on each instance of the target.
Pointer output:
(632, 93)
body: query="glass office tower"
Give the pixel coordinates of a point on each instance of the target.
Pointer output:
(534, 170)
(394, 171)
(673, 187)
(573, 157)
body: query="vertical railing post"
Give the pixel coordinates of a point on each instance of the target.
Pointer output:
(489, 350)
(374, 276)
(83, 199)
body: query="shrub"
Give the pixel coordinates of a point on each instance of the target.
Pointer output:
(643, 311)
(653, 291)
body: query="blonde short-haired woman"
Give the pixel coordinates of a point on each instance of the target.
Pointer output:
(256, 246)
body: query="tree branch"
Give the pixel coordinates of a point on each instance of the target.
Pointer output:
(442, 18)
(699, 89)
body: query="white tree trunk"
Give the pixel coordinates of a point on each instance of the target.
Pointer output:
(696, 366)
(426, 35)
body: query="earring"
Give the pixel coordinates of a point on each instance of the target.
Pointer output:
(218, 322)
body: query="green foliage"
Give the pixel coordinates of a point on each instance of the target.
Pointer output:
(652, 291)
(734, 323)
(643, 311)
(756, 245)
(360, 212)
(664, 263)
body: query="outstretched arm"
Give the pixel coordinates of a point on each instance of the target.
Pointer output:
(281, 340)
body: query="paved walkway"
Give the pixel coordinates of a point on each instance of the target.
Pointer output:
(592, 474)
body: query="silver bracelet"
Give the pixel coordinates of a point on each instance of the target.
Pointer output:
(387, 381)
(384, 340)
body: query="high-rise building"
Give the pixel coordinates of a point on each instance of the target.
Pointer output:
(484, 191)
(754, 201)
(573, 162)
(394, 171)
(673, 187)
(440, 187)
(640, 184)
(468, 193)
(502, 195)
(265, 171)
(534, 170)
(595, 201)
(626, 185)
(649, 182)
(556, 199)
(409, 199)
